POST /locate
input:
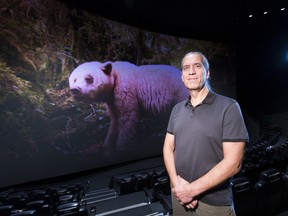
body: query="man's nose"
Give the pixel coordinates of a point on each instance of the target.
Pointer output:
(191, 70)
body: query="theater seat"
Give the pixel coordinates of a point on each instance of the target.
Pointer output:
(72, 209)
(40, 206)
(244, 195)
(270, 192)
(25, 213)
(6, 210)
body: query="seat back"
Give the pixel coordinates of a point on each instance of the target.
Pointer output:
(270, 190)
(244, 196)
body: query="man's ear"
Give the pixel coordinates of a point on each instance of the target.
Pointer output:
(207, 74)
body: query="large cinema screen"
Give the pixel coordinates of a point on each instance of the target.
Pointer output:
(80, 92)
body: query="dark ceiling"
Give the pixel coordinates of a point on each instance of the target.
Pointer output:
(217, 20)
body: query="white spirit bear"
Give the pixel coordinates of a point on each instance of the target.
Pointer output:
(129, 92)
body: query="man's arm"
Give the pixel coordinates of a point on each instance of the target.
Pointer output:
(168, 155)
(226, 168)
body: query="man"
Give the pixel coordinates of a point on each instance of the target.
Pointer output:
(204, 145)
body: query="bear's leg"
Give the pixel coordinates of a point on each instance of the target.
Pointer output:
(128, 126)
(124, 118)
(111, 137)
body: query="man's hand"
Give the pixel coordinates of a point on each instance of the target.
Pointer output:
(183, 195)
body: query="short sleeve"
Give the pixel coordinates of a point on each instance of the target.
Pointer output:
(234, 128)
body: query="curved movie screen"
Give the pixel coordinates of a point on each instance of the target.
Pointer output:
(80, 92)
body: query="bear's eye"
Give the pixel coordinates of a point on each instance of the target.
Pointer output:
(89, 79)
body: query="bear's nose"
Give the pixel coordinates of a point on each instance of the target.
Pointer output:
(75, 92)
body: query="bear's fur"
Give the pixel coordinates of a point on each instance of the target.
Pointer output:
(129, 92)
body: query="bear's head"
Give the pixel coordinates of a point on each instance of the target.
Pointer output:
(92, 81)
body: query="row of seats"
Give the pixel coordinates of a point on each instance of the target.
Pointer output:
(137, 181)
(267, 152)
(57, 200)
(267, 197)
(261, 186)
(154, 182)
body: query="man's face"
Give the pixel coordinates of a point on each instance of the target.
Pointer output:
(194, 74)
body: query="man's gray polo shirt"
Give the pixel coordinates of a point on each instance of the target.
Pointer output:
(199, 133)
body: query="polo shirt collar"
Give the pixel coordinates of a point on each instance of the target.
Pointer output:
(207, 100)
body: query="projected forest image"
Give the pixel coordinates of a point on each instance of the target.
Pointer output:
(79, 92)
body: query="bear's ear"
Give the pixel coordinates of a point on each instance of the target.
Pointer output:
(107, 67)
